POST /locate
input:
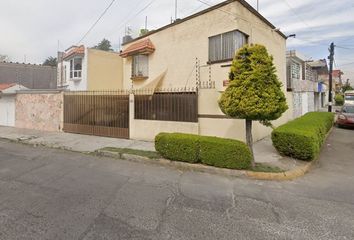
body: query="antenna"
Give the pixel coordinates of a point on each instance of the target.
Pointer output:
(176, 6)
(146, 22)
(257, 5)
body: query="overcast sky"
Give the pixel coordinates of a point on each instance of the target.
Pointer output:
(38, 28)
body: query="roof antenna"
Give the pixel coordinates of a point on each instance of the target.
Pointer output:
(257, 5)
(176, 6)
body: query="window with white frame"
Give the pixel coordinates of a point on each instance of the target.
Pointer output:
(295, 70)
(140, 66)
(223, 47)
(75, 68)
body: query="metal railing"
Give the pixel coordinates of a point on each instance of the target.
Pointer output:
(180, 105)
(101, 113)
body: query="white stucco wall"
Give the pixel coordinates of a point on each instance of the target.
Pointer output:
(78, 85)
(7, 110)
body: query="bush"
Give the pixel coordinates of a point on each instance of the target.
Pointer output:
(303, 137)
(339, 99)
(218, 152)
(178, 147)
(224, 153)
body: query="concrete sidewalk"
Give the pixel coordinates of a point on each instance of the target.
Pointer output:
(69, 141)
(263, 150)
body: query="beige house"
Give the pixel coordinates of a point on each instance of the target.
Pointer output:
(197, 52)
(82, 69)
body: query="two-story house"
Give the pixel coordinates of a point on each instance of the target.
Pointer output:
(82, 69)
(196, 52)
(302, 81)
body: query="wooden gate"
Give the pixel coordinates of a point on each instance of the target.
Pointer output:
(99, 113)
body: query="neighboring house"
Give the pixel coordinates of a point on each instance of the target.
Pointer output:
(302, 81)
(7, 103)
(29, 75)
(321, 68)
(337, 80)
(81, 69)
(197, 51)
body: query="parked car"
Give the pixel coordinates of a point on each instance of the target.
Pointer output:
(349, 97)
(346, 116)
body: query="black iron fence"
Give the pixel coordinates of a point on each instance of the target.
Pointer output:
(180, 105)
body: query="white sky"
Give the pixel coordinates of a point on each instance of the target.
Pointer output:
(34, 28)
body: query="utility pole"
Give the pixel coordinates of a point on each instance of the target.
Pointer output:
(331, 59)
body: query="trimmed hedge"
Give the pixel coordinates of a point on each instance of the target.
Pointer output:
(303, 137)
(218, 152)
(339, 99)
(178, 147)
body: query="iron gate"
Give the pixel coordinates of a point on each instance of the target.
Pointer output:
(99, 113)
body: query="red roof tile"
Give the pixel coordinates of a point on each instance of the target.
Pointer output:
(142, 47)
(80, 50)
(4, 86)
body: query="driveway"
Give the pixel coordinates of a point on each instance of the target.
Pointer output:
(55, 194)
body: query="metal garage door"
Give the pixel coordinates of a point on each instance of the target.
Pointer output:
(7, 110)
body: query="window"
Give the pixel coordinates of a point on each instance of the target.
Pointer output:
(140, 66)
(75, 68)
(222, 47)
(295, 70)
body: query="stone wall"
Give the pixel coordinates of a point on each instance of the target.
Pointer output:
(40, 111)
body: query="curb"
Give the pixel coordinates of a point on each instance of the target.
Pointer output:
(283, 176)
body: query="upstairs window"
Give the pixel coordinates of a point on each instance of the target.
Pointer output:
(140, 66)
(223, 47)
(75, 68)
(295, 70)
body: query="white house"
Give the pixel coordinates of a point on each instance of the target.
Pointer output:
(7, 103)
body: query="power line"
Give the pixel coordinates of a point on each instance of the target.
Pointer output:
(137, 14)
(297, 15)
(93, 25)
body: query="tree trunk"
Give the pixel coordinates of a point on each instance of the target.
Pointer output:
(249, 139)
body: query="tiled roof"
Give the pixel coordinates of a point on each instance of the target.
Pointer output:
(4, 86)
(142, 47)
(80, 50)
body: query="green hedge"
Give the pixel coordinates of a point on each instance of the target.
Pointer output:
(339, 99)
(218, 152)
(303, 137)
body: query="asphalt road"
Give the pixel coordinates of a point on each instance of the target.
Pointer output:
(54, 194)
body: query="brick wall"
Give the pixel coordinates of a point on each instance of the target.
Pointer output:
(40, 111)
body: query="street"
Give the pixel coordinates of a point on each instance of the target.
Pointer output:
(56, 194)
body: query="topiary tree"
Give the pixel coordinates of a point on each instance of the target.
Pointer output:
(254, 92)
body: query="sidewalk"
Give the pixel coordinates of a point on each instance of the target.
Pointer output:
(73, 142)
(263, 150)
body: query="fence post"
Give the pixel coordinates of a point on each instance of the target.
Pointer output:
(131, 116)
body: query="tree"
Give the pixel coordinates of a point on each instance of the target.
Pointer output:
(104, 45)
(50, 61)
(254, 92)
(347, 86)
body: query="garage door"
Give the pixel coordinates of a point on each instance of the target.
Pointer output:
(7, 111)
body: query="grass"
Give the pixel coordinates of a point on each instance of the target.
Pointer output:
(260, 167)
(142, 153)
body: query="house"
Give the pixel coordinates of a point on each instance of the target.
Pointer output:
(7, 103)
(31, 76)
(196, 52)
(337, 80)
(302, 81)
(82, 69)
(321, 68)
